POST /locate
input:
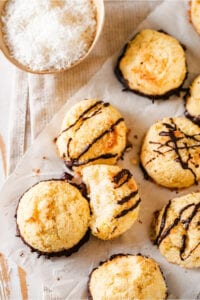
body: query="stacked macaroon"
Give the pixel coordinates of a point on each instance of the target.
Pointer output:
(53, 217)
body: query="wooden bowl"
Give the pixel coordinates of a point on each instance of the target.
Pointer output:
(100, 20)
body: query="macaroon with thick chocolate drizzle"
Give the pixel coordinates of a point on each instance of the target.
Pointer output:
(92, 132)
(53, 218)
(176, 230)
(192, 101)
(152, 64)
(114, 200)
(126, 276)
(170, 152)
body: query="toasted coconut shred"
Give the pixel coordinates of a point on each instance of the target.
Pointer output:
(49, 34)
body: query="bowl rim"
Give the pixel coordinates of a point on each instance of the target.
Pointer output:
(100, 15)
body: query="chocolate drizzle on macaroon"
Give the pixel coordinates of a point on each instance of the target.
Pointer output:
(127, 198)
(172, 140)
(176, 143)
(121, 178)
(194, 119)
(70, 141)
(76, 161)
(87, 114)
(126, 211)
(191, 210)
(113, 194)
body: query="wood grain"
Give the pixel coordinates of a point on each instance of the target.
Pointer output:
(23, 284)
(5, 273)
(3, 154)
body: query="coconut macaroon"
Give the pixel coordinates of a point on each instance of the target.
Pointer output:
(195, 14)
(170, 153)
(192, 103)
(127, 277)
(152, 64)
(114, 200)
(53, 218)
(176, 230)
(92, 132)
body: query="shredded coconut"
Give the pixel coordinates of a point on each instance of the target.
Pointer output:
(49, 34)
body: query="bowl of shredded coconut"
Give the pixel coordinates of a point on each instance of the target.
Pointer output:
(49, 36)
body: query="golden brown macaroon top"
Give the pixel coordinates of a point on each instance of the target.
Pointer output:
(52, 216)
(127, 277)
(153, 64)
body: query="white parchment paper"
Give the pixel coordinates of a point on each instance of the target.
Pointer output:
(68, 276)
